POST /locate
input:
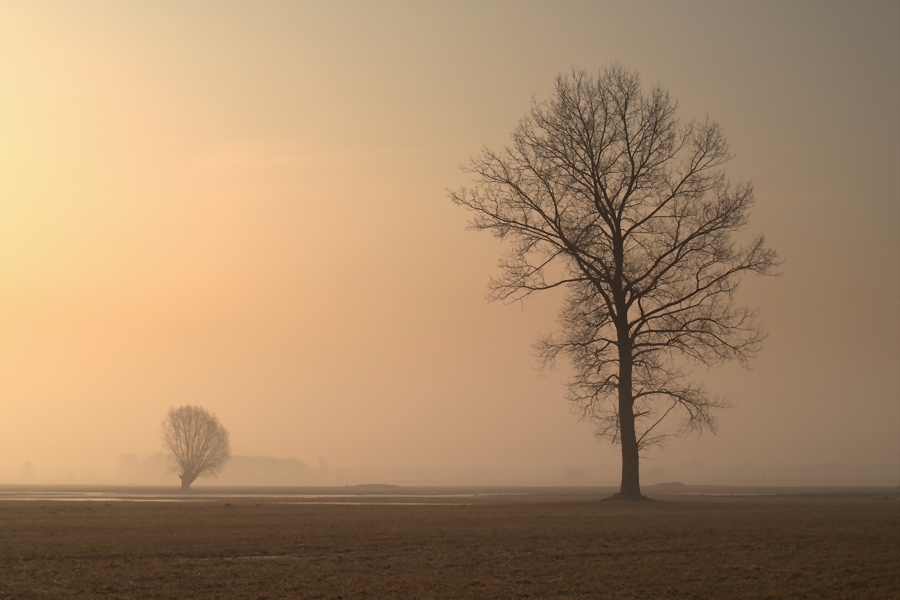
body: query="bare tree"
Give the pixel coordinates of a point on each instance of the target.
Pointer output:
(606, 193)
(197, 440)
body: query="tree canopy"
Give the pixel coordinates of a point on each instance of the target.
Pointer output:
(198, 442)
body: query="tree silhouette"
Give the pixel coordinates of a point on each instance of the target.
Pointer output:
(606, 193)
(197, 440)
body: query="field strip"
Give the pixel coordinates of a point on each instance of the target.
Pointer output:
(343, 503)
(244, 557)
(278, 498)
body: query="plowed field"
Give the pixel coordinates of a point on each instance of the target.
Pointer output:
(532, 546)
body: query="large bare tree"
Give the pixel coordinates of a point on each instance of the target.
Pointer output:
(198, 442)
(606, 193)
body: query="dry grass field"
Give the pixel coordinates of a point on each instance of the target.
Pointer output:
(531, 546)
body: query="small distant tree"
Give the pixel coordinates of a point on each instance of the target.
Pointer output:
(607, 194)
(198, 442)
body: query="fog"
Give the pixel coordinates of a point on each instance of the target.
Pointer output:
(244, 206)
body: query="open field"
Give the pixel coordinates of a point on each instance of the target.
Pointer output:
(421, 544)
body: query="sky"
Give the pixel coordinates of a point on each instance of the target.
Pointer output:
(245, 206)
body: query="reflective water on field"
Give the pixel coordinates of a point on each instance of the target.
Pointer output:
(349, 495)
(376, 494)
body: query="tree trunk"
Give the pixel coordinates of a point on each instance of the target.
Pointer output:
(186, 483)
(631, 478)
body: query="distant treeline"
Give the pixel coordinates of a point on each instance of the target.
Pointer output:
(240, 470)
(265, 470)
(268, 471)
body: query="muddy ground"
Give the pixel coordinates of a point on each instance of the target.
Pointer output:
(528, 546)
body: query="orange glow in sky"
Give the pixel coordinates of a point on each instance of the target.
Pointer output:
(243, 206)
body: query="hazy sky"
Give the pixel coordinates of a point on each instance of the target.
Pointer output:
(244, 206)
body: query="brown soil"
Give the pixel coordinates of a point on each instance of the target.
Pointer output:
(501, 547)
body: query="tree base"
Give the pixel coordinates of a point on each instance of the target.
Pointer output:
(186, 483)
(620, 497)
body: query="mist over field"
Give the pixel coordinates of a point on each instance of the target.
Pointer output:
(242, 471)
(244, 207)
